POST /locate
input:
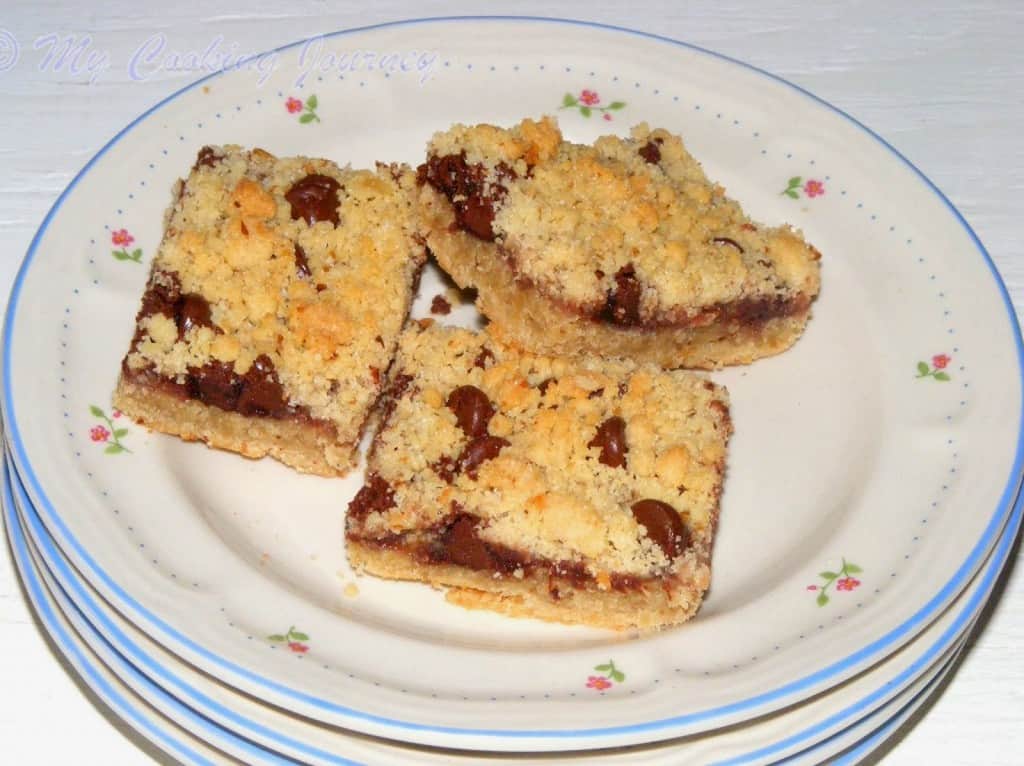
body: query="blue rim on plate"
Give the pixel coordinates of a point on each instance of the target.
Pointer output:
(108, 632)
(122, 706)
(871, 651)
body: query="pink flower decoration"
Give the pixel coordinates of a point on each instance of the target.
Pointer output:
(607, 117)
(814, 188)
(99, 434)
(116, 414)
(297, 647)
(598, 682)
(121, 238)
(847, 583)
(589, 97)
(812, 587)
(293, 105)
(939, 361)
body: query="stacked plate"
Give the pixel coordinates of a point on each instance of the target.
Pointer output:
(870, 502)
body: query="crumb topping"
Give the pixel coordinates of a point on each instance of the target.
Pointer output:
(575, 220)
(523, 443)
(295, 264)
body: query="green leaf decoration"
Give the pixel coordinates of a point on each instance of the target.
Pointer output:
(96, 411)
(121, 255)
(792, 194)
(120, 432)
(603, 668)
(617, 105)
(822, 599)
(853, 569)
(585, 111)
(568, 100)
(298, 636)
(311, 102)
(307, 118)
(922, 368)
(828, 575)
(794, 181)
(137, 254)
(113, 449)
(941, 376)
(617, 675)
(277, 638)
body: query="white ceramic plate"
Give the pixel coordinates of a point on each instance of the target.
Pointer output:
(171, 738)
(782, 736)
(886, 442)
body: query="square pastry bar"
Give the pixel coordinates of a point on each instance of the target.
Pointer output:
(573, 491)
(623, 248)
(273, 306)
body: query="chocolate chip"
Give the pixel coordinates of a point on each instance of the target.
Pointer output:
(479, 450)
(315, 198)
(193, 310)
(727, 241)
(440, 306)
(301, 263)
(597, 393)
(463, 546)
(473, 410)
(376, 495)
(484, 359)
(207, 157)
(611, 440)
(162, 295)
(622, 306)
(262, 393)
(650, 152)
(215, 384)
(473, 190)
(663, 526)
(446, 468)
(543, 385)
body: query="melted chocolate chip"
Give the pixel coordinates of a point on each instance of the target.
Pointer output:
(215, 384)
(611, 440)
(375, 495)
(650, 152)
(207, 157)
(161, 296)
(301, 263)
(622, 306)
(192, 310)
(484, 359)
(479, 450)
(459, 542)
(446, 468)
(727, 241)
(262, 393)
(473, 198)
(473, 410)
(315, 198)
(543, 385)
(663, 526)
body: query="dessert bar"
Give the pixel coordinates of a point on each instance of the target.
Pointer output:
(623, 248)
(273, 306)
(578, 491)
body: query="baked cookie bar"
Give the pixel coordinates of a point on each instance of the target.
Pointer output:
(623, 248)
(274, 306)
(578, 491)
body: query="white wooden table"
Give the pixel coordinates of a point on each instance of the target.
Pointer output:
(942, 81)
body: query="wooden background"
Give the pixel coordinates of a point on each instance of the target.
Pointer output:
(942, 81)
